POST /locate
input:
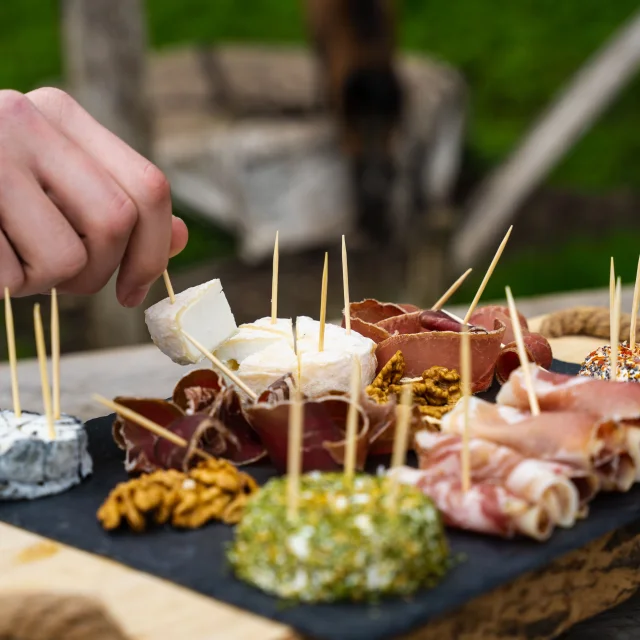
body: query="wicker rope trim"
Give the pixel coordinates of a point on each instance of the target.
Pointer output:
(584, 321)
(49, 616)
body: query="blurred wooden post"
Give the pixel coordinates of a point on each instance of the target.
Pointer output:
(427, 250)
(591, 90)
(104, 48)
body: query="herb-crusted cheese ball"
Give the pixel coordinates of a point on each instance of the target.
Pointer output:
(348, 542)
(598, 364)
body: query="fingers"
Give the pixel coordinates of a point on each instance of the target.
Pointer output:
(48, 248)
(11, 274)
(147, 255)
(179, 236)
(99, 210)
(150, 242)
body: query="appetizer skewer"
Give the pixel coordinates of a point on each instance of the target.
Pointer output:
(11, 347)
(40, 455)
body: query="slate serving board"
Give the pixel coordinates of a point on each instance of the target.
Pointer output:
(196, 559)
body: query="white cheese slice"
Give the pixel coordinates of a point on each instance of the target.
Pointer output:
(264, 367)
(202, 311)
(252, 338)
(325, 371)
(330, 369)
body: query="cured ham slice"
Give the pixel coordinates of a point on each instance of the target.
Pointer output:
(559, 392)
(420, 322)
(604, 399)
(203, 412)
(485, 508)
(323, 432)
(536, 345)
(619, 473)
(426, 338)
(537, 348)
(633, 447)
(568, 437)
(545, 484)
(487, 315)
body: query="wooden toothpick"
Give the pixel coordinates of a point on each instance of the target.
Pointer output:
(147, 424)
(345, 287)
(55, 353)
(612, 292)
(274, 281)
(323, 301)
(485, 280)
(534, 405)
(44, 377)
(634, 310)
(294, 452)
(615, 332)
(352, 420)
(403, 417)
(169, 286)
(450, 291)
(220, 366)
(11, 348)
(465, 379)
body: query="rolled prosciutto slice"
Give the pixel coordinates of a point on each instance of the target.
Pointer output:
(536, 345)
(538, 482)
(485, 508)
(605, 399)
(568, 437)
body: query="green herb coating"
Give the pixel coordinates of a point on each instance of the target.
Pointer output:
(349, 541)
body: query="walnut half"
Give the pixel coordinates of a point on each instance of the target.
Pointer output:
(214, 490)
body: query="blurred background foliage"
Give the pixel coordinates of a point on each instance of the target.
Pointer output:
(515, 56)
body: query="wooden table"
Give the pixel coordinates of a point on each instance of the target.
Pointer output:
(148, 607)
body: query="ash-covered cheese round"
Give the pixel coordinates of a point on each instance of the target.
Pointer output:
(347, 542)
(32, 464)
(598, 364)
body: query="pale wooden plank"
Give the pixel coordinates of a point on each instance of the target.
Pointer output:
(145, 606)
(138, 371)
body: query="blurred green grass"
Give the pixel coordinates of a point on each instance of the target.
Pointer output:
(514, 55)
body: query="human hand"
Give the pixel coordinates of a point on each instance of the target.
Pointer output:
(76, 203)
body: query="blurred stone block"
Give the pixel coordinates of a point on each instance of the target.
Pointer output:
(257, 153)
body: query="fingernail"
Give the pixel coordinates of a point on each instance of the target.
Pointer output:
(136, 297)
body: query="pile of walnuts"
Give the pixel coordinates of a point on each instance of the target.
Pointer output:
(435, 392)
(214, 490)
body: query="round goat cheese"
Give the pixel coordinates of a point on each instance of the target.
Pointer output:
(32, 464)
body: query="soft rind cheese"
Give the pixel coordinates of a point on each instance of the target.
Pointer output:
(254, 337)
(202, 311)
(260, 353)
(330, 369)
(263, 368)
(33, 465)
